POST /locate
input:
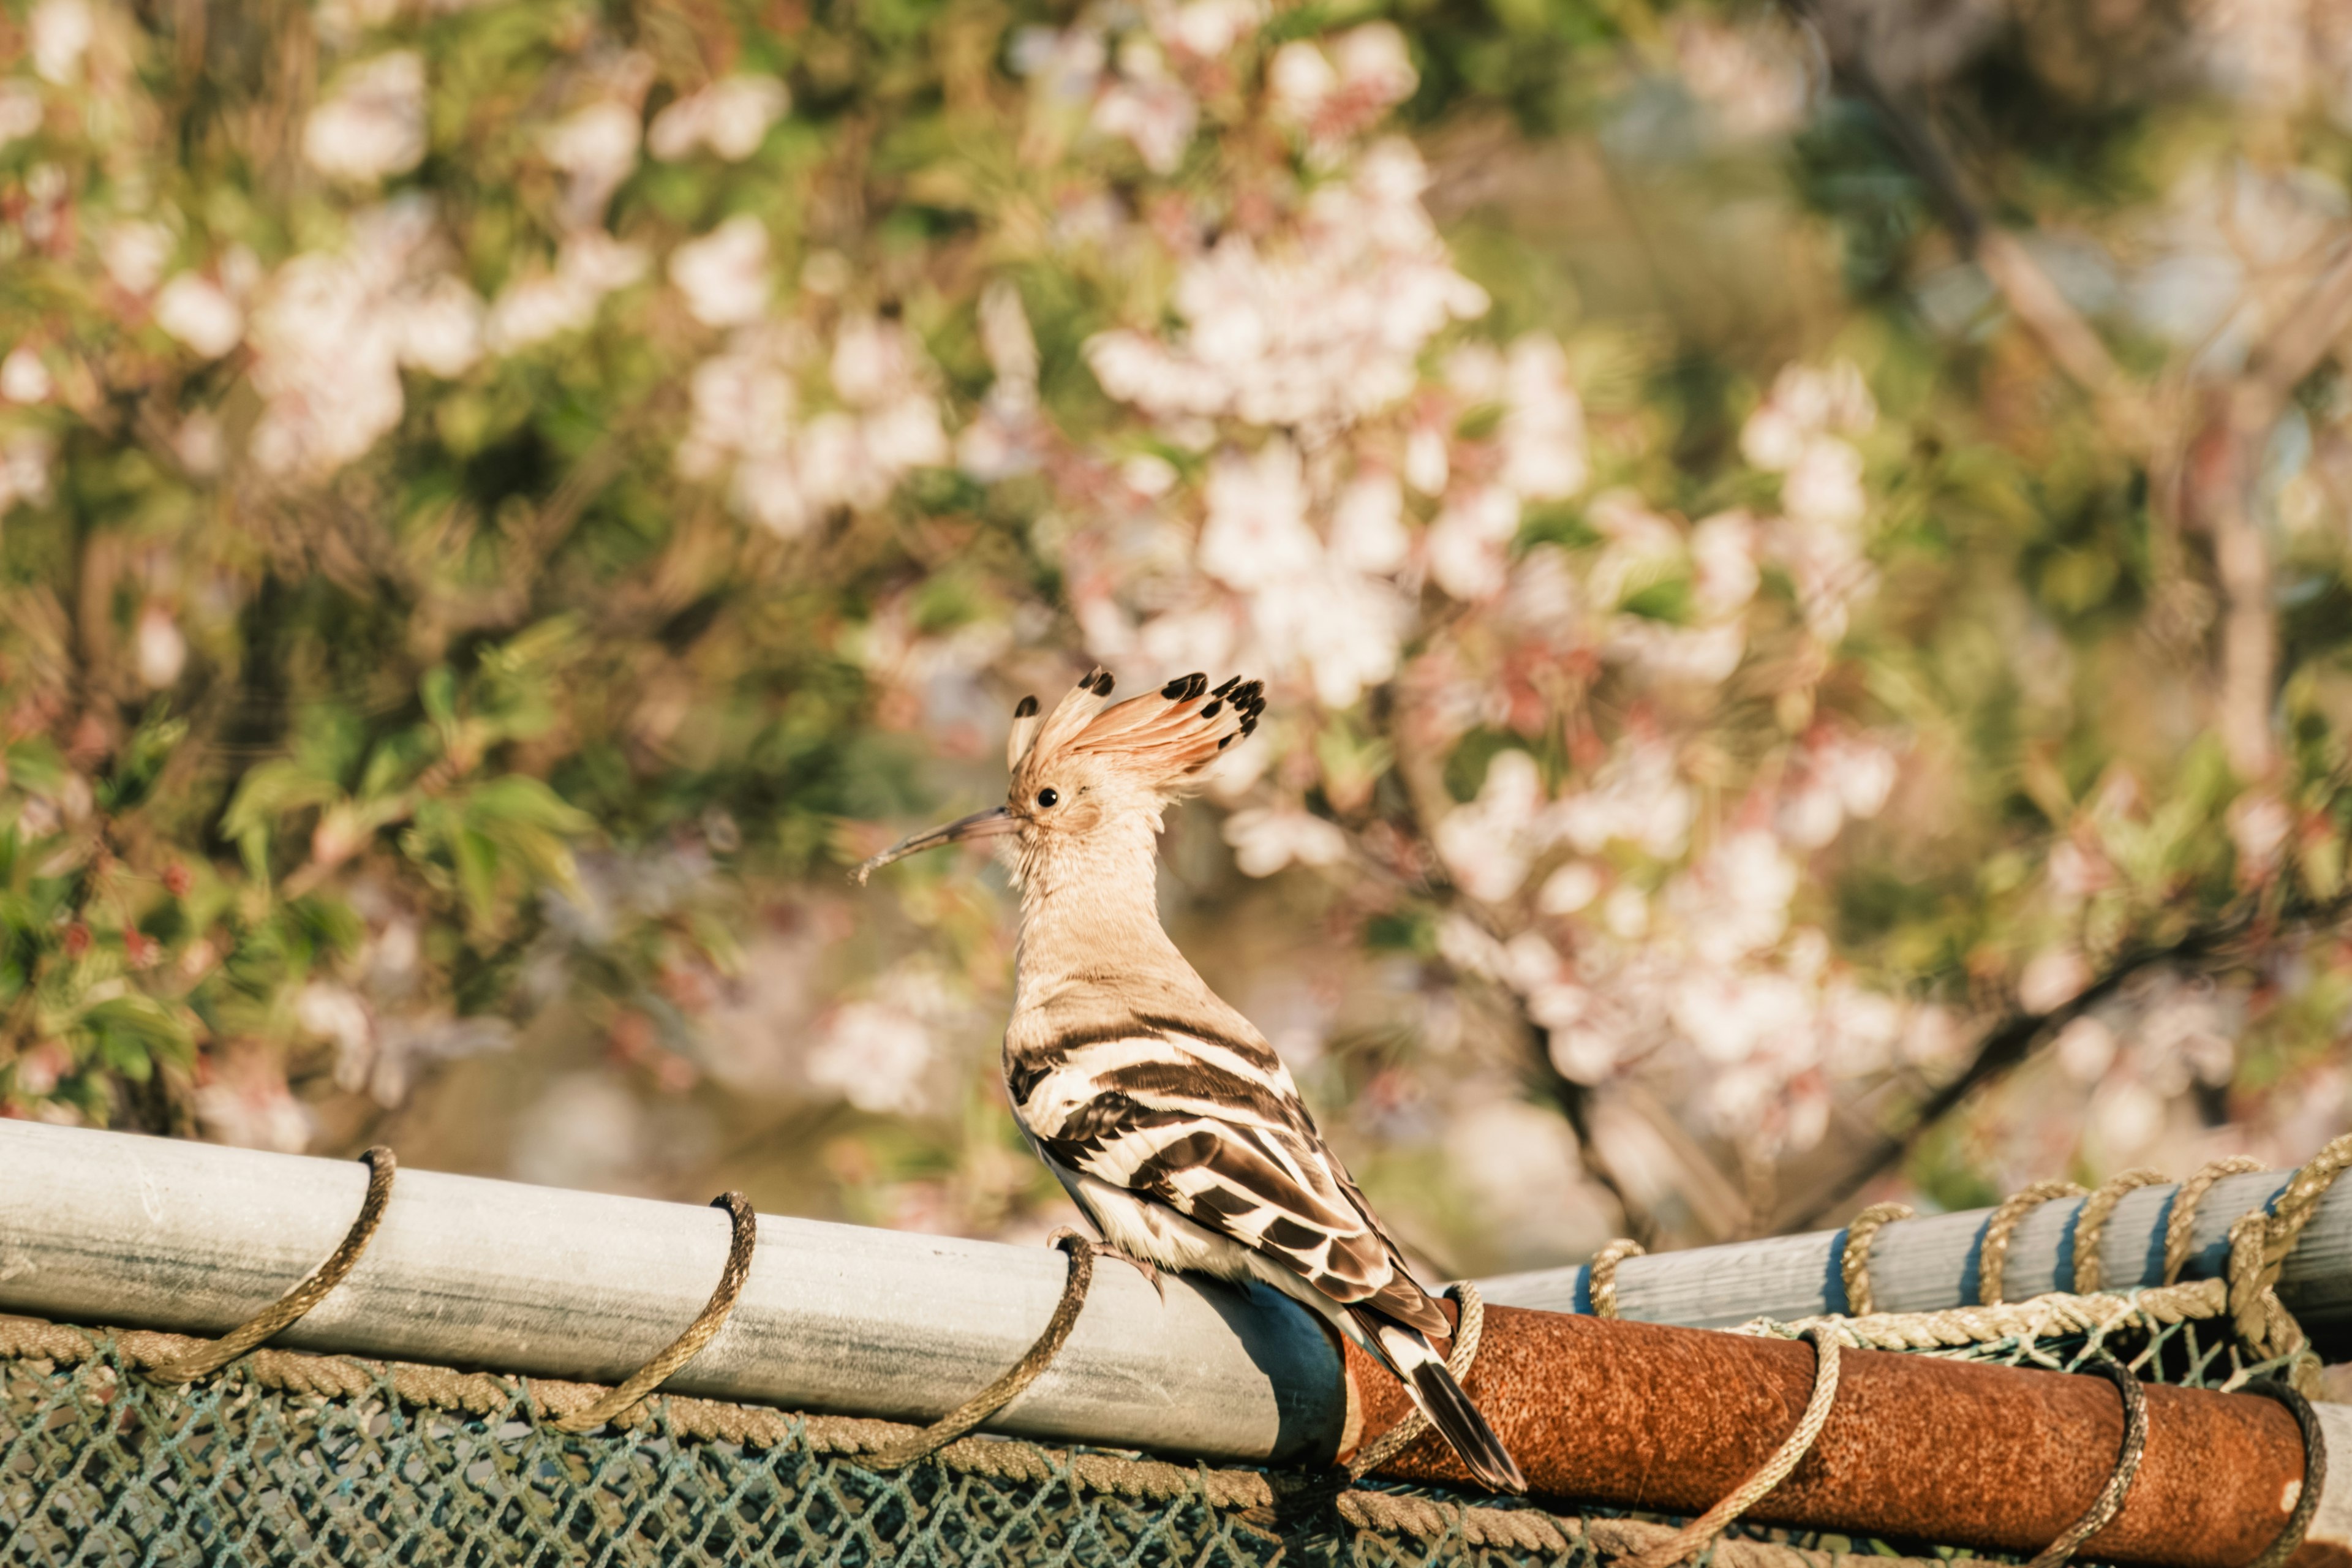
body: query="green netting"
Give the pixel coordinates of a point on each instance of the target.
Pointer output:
(99, 1466)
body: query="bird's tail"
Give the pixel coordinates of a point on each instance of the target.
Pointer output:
(1425, 1377)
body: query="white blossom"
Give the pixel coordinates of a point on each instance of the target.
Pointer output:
(1543, 424)
(1569, 889)
(25, 459)
(23, 377)
(1753, 76)
(62, 31)
(1468, 545)
(537, 306)
(1256, 533)
(134, 254)
(596, 148)
(333, 329)
(729, 117)
(1489, 843)
(1317, 331)
(1265, 839)
(251, 1108)
(724, 275)
(1368, 532)
(372, 123)
(20, 111)
(199, 314)
(1207, 29)
(1150, 108)
(2052, 980)
(161, 651)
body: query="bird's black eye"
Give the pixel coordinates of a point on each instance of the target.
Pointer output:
(1049, 798)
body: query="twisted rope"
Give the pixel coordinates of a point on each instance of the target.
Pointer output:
(1600, 1279)
(2110, 1500)
(2315, 1470)
(2055, 1315)
(2091, 1222)
(1695, 1537)
(922, 1444)
(313, 1288)
(742, 1239)
(2180, 1226)
(2260, 1245)
(1992, 1252)
(1853, 1255)
(1469, 1328)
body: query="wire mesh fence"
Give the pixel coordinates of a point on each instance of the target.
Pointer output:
(100, 1466)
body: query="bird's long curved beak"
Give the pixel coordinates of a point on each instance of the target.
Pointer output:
(994, 823)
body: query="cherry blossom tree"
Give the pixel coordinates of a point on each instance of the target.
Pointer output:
(1797, 555)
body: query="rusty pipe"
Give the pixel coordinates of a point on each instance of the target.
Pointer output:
(1668, 1420)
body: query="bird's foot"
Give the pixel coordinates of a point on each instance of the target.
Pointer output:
(1150, 1271)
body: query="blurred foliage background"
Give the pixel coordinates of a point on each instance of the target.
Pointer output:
(1799, 553)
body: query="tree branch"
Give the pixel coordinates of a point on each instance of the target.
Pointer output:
(2008, 1045)
(2024, 287)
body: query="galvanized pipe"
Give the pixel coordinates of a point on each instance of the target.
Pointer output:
(1930, 1263)
(100, 1227)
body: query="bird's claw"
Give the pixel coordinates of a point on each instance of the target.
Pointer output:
(1150, 1271)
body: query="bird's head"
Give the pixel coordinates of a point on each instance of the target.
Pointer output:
(1092, 767)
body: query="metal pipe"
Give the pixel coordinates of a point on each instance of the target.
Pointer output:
(1671, 1420)
(100, 1227)
(1930, 1263)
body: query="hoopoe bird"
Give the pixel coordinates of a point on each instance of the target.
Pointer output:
(1163, 1112)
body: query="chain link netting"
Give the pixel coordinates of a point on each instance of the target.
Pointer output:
(100, 1466)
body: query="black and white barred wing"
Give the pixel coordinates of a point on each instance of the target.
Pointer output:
(1211, 1127)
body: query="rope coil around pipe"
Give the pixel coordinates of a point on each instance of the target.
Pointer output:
(2091, 1222)
(2110, 1500)
(1854, 1255)
(311, 1289)
(1469, 1328)
(1992, 1252)
(922, 1444)
(2315, 1470)
(743, 1238)
(1601, 1278)
(1700, 1533)
(2180, 1226)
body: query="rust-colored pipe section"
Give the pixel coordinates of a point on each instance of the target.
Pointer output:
(1640, 1415)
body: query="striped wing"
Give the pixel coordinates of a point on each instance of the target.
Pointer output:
(1212, 1126)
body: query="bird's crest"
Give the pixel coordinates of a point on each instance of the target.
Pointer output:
(1164, 739)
